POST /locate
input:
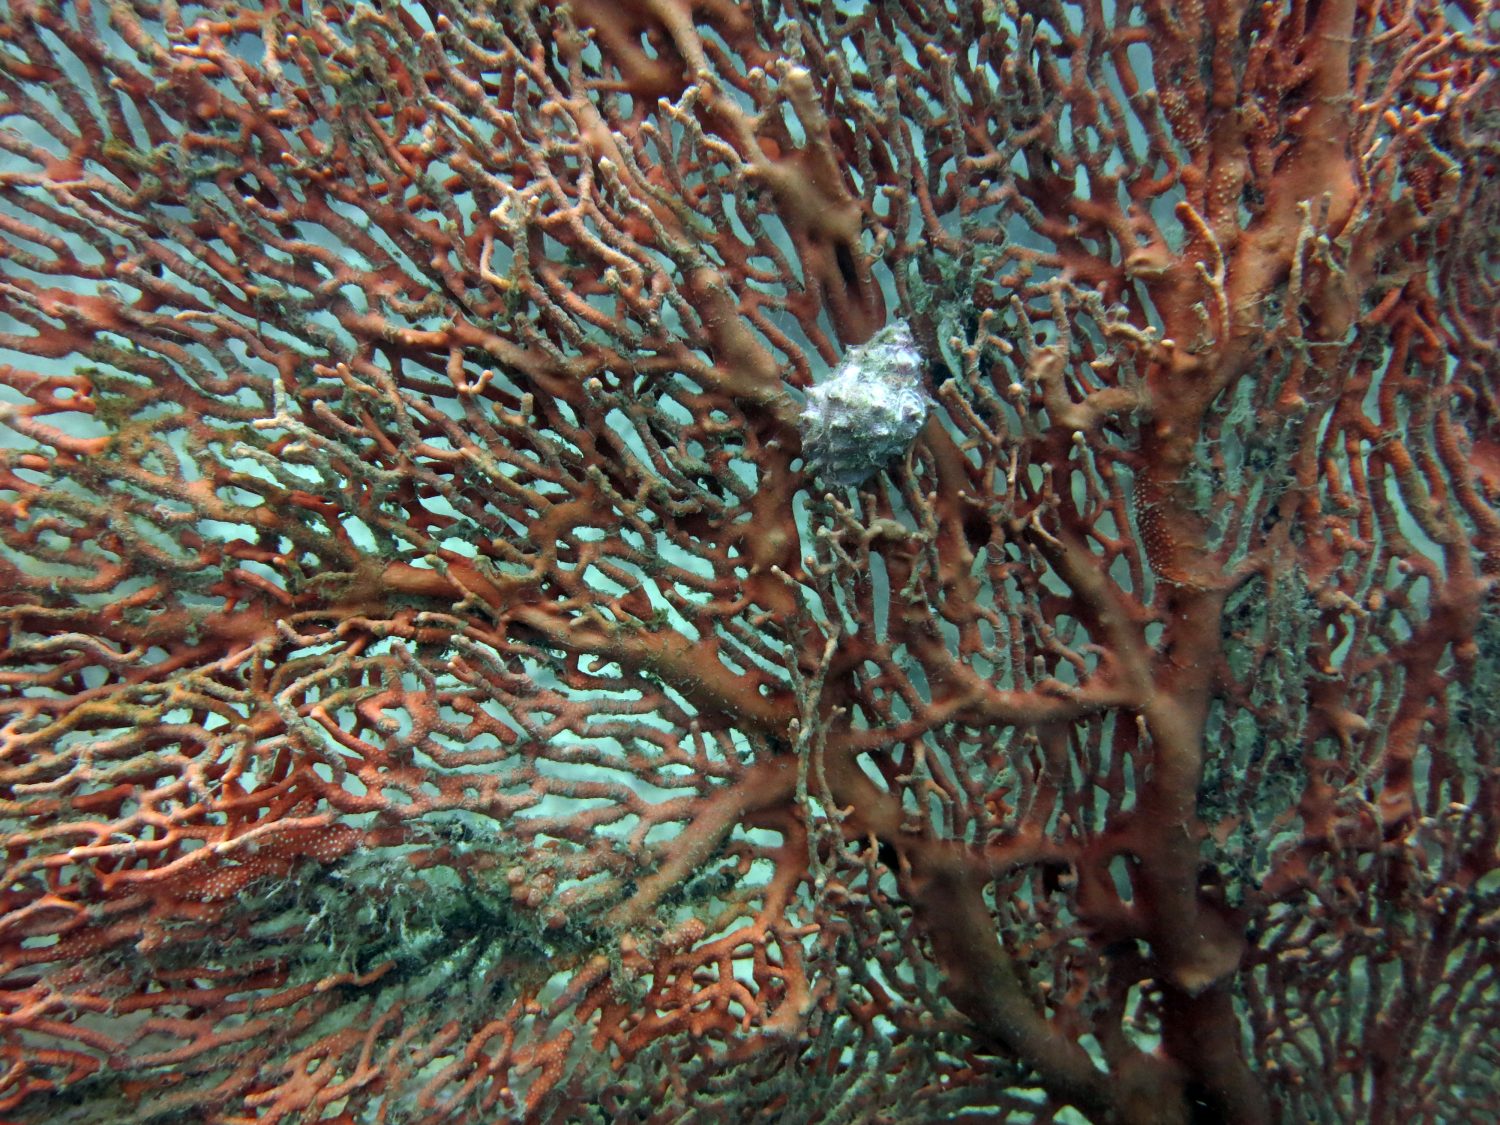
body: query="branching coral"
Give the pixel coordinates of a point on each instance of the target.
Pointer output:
(436, 687)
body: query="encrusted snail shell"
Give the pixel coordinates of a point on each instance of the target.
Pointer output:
(866, 413)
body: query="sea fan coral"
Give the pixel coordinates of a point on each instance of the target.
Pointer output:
(439, 685)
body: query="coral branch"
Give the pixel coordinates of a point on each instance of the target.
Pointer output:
(655, 560)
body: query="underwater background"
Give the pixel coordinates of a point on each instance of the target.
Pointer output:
(749, 560)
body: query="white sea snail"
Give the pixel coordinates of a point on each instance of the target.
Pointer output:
(868, 411)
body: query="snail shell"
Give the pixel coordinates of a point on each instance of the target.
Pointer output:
(866, 413)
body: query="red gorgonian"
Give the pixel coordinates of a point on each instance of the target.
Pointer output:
(435, 686)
